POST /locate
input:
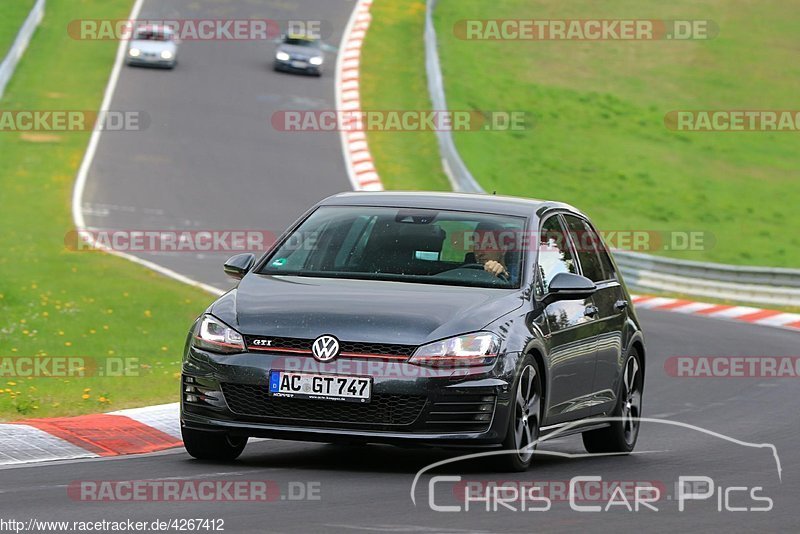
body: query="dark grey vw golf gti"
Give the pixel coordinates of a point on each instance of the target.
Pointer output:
(420, 318)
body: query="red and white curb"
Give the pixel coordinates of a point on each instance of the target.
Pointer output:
(134, 431)
(358, 159)
(744, 314)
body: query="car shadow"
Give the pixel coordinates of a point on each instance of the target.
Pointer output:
(374, 458)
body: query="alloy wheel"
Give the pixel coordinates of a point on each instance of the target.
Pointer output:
(526, 412)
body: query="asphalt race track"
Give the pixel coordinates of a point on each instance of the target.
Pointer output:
(368, 488)
(210, 160)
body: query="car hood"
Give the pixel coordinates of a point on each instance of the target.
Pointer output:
(153, 47)
(360, 310)
(300, 51)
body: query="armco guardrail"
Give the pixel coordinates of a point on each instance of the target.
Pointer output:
(460, 177)
(642, 272)
(762, 285)
(20, 44)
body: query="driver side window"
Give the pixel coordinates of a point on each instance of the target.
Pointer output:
(555, 255)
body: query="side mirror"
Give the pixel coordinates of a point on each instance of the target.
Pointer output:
(568, 286)
(238, 266)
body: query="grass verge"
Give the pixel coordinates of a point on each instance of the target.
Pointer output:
(14, 14)
(119, 317)
(393, 79)
(598, 139)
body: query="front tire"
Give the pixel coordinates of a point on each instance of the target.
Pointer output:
(525, 419)
(622, 434)
(217, 446)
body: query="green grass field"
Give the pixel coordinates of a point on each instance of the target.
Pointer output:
(14, 13)
(598, 138)
(60, 303)
(393, 78)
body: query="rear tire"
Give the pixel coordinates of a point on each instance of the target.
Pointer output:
(217, 446)
(622, 434)
(524, 419)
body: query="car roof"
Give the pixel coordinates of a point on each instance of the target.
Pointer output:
(166, 30)
(479, 202)
(301, 37)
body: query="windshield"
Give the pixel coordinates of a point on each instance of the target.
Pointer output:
(404, 245)
(300, 42)
(152, 35)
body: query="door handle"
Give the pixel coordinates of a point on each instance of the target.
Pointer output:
(591, 311)
(621, 305)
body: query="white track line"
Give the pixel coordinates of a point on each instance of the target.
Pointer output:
(22, 444)
(41, 446)
(86, 164)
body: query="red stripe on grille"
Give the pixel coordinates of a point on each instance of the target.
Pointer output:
(279, 349)
(365, 355)
(346, 354)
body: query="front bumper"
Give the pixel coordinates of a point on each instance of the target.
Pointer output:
(410, 404)
(143, 61)
(293, 65)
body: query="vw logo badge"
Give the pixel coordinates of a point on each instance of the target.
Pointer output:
(325, 348)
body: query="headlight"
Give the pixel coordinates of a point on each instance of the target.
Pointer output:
(214, 335)
(134, 52)
(480, 348)
(282, 56)
(166, 54)
(316, 60)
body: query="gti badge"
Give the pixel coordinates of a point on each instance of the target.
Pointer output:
(325, 348)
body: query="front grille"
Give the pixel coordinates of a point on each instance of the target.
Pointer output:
(383, 410)
(348, 347)
(377, 348)
(468, 412)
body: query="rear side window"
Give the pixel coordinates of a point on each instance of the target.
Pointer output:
(605, 259)
(555, 255)
(585, 241)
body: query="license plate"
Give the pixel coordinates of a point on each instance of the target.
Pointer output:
(320, 387)
(299, 64)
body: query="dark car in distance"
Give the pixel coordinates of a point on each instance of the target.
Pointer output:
(299, 53)
(435, 319)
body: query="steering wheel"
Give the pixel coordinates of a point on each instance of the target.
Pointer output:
(479, 266)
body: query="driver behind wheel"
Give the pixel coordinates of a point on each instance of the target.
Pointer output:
(490, 250)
